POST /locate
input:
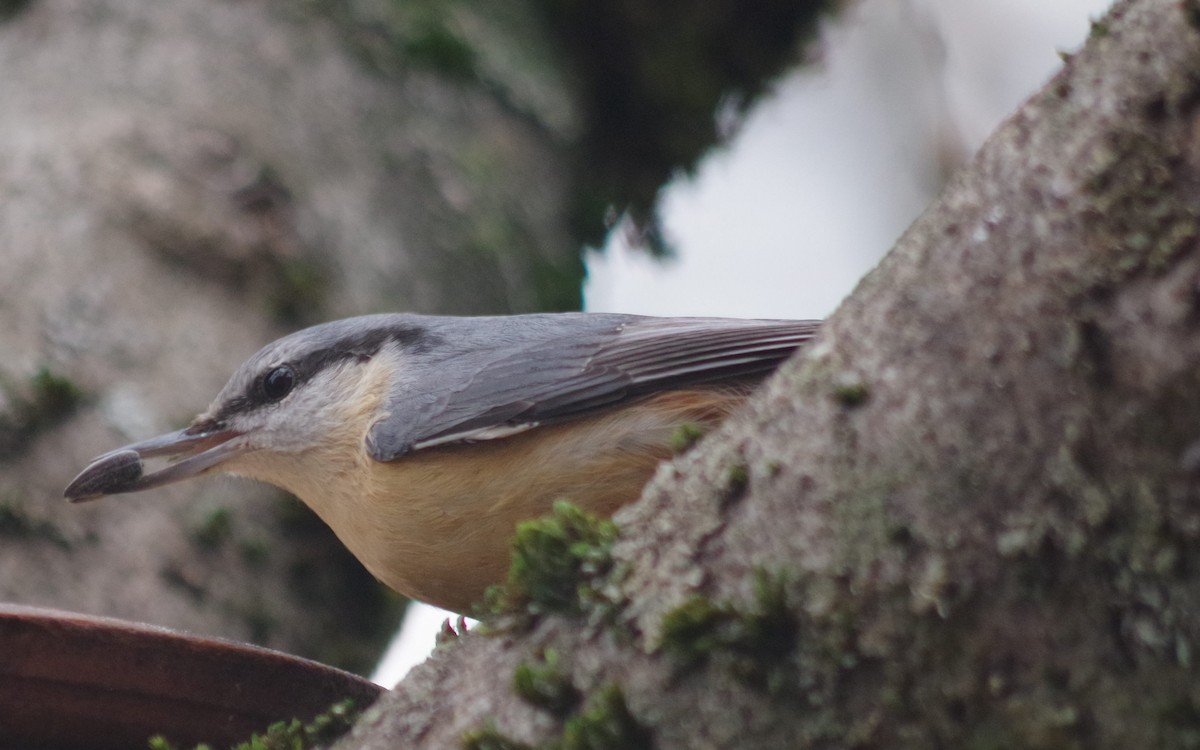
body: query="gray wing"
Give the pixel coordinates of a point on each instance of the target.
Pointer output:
(573, 366)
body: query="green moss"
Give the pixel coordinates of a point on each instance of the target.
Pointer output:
(254, 552)
(852, 394)
(693, 630)
(560, 564)
(685, 436)
(282, 735)
(490, 738)
(770, 630)
(16, 523)
(260, 621)
(1142, 222)
(335, 722)
(545, 685)
(214, 529)
(605, 724)
(556, 286)
(289, 735)
(756, 642)
(40, 402)
(737, 479)
(403, 35)
(158, 742)
(54, 396)
(434, 45)
(301, 288)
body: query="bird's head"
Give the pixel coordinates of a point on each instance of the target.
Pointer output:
(294, 396)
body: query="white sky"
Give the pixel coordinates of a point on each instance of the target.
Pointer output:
(825, 175)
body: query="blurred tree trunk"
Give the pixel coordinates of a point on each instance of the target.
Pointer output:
(182, 182)
(968, 516)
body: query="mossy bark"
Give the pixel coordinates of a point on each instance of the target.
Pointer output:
(993, 542)
(182, 182)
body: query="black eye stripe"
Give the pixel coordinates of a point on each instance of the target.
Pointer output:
(309, 362)
(277, 383)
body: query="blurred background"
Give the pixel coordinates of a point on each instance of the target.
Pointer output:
(181, 183)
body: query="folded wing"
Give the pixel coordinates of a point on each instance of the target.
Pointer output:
(579, 369)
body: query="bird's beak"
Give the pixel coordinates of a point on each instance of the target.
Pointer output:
(190, 451)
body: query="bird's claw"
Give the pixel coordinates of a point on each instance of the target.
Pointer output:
(452, 631)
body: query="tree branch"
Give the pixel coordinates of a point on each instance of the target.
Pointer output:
(966, 516)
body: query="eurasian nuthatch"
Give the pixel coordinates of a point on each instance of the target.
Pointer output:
(422, 441)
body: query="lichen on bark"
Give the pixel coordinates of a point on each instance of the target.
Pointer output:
(993, 548)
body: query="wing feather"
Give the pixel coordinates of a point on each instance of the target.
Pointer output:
(573, 366)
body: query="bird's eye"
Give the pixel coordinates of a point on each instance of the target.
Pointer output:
(278, 383)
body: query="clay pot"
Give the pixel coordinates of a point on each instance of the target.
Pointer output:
(74, 681)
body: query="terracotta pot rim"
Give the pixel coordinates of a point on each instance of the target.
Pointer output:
(76, 680)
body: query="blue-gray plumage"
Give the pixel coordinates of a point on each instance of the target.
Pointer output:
(423, 440)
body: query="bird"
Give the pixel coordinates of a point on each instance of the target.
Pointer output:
(423, 440)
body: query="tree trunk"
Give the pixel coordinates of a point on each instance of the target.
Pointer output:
(182, 182)
(965, 517)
